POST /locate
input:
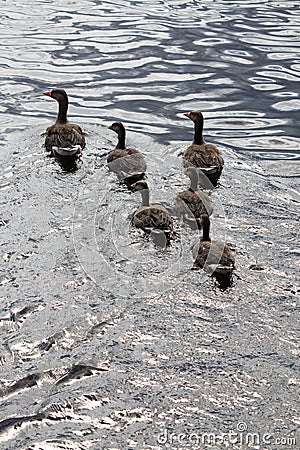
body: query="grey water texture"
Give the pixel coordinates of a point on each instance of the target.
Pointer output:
(108, 342)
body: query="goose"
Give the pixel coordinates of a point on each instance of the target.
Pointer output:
(191, 204)
(215, 256)
(152, 218)
(201, 154)
(128, 163)
(63, 138)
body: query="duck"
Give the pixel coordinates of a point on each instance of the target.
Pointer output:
(215, 256)
(200, 154)
(63, 139)
(153, 219)
(128, 163)
(192, 204)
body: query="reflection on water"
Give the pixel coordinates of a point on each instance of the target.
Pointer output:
(106, 341)
(122, 60)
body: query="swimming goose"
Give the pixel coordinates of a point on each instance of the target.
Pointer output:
(191, 204)
(63, 138)
(200, 154)
(152, 218)
(128, 163)
(215, 256)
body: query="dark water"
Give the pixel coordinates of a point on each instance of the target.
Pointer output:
(106, 342)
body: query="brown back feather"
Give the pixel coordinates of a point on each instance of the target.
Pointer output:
(66, 135)
(204, 155)
(127, 161)
(156, 217)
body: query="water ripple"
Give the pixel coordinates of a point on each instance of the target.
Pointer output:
(115, 49)
(83, 357)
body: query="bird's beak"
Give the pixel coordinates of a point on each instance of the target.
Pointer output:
(109, 127)
(187, 114)
(47, 93)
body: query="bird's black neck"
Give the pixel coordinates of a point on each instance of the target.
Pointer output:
(198, 135)
(62, 111)
(145, 197)
(205, 229)
(121, 139)
(193, 175)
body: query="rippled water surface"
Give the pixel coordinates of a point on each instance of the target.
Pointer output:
(106, 341)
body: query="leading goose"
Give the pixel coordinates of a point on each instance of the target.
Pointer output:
(63, 138)
(201, 154)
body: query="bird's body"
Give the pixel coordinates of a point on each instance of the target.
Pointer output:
(63, 138)
(151, 217)
(128, 163)
(191, 204)
(200, 154)
(204, 156)
(216, 256)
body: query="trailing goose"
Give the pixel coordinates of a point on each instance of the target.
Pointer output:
(215, 256)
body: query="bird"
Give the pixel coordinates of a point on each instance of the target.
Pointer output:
(63, 139)
(153, 219)
(128, 163)
(200, 154)
(215, 256)
(191, 204)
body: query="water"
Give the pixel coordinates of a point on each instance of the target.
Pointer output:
(106, 342)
